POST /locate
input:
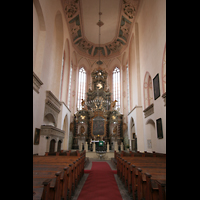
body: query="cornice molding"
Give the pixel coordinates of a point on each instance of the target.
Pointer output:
(134, 109)
(149, 110)
(36, 83)
(49, 130)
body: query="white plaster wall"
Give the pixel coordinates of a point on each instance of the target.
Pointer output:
(62, 115)
(152, 39)
(136, 114)
(49, 10)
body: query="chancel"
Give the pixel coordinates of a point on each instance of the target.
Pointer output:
(96, 115)
(99, 97)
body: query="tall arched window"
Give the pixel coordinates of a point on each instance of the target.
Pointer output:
(148, 90)
(116, 86)
(128, 95)
(81, 86)
(69, 89)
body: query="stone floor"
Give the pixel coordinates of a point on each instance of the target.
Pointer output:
(122, 189)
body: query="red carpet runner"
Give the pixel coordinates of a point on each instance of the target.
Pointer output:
(100, 184)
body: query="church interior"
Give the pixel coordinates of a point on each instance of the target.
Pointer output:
(99, 97)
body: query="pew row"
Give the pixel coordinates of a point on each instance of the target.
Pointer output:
(56, 177)
(144, 176)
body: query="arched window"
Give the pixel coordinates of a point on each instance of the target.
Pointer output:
(148, 90)
(116, 86)
(69, 90)
(128, 95)
(81, 86)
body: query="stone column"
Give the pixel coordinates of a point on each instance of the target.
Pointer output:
(108, 147)
(93, 146)
(61, 148)
(56, 144)
(80, 146)
(115, 147)
(86, 147)
(48, 143)
(122, 146)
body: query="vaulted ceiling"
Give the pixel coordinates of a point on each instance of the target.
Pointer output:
(115, 24)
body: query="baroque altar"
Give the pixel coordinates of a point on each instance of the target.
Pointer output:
(98, 120)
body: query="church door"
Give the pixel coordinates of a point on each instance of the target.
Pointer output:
(52, 146)
(59, 146)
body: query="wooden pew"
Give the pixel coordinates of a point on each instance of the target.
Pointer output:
(58, 175)
(145, 176)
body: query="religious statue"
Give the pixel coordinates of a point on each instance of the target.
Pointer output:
(82, 102)
(113, 104)
(82, 130)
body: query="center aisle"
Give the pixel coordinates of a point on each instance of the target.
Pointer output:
(100, 184)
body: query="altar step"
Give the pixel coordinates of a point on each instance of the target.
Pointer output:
(95, 155)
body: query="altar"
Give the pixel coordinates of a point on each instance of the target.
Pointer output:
(98, 120)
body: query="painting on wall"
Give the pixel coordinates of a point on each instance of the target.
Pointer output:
(159, 128)
(37, 136)
(98, 125)
(156, 87)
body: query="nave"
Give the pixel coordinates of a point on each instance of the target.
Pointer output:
(117, 188)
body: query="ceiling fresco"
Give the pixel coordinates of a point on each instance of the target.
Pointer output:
(117, 17)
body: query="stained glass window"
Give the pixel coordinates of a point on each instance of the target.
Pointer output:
(81, 86)
(69, 91)
(128, 97)
(116, 87)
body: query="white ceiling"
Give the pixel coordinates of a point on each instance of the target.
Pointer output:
(110, 17)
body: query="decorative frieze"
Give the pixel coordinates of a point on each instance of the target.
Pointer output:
(36, 83)
(52, 101)
(52, 131)
(149, 110)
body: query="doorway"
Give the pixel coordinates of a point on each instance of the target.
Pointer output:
(59, 146)
(52, 146)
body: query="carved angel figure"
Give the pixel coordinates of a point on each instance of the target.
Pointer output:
(113, 104)
(82, 102)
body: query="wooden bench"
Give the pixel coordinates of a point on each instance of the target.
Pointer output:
(66, 153)
(145, 176)
(56, 177)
